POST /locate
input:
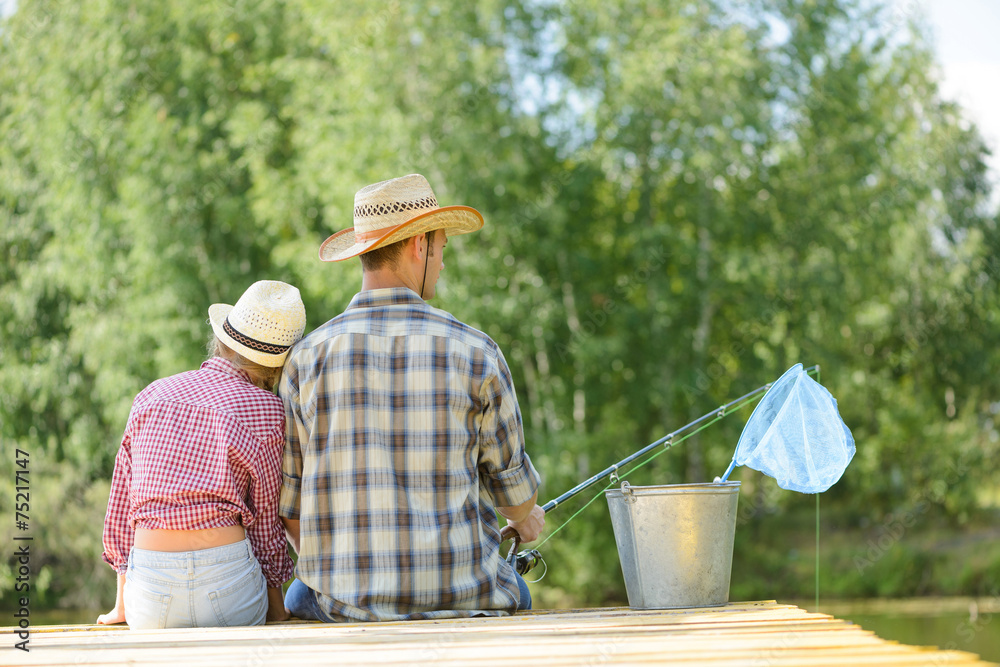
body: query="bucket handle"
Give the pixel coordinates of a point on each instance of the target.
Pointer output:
(627, 492)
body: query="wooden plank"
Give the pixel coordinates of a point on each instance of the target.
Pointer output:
(625, 654)
(348, 634)
(567, 637)
(755, 633)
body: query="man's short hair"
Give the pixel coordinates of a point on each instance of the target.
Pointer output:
(388, 256)
(385, 257)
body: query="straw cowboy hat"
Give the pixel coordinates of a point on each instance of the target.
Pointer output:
(267, 320)
(394, 210)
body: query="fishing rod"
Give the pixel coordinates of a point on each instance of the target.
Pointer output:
(524, 561)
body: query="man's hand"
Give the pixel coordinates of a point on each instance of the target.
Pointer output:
(530, 527)
(527, 519)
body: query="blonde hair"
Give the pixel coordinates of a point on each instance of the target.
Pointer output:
(262, 376)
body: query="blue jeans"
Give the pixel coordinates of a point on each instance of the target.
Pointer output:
(217, 587)
(522, 587)
(303, 601)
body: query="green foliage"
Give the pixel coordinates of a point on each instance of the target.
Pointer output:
(682, 200)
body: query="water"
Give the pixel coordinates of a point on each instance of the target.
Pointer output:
(950, 631)
(962, 624)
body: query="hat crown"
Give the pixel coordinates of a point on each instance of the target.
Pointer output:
(391, 203)
(394, 210)
(266, 321)
(270, 312)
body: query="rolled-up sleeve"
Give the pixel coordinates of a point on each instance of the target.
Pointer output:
(118, 532)
(291, 463)
(267, 536)
(504, 467)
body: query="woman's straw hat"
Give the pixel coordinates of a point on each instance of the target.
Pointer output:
(394, 210)
(267, 320)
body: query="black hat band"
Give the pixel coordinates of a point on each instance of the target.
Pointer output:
(253, 344)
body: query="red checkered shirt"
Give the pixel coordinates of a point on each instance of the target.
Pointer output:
(201, 449)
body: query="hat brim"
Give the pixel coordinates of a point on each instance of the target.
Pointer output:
(454, 220)
(217, 314)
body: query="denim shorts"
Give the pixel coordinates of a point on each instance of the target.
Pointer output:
(217, 587)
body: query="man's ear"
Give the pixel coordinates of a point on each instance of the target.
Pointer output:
(419, 246)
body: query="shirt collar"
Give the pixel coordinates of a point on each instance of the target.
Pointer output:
(389, 296)
(224, 366)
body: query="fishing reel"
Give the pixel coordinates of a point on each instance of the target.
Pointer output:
(522, 561)
(525, 561)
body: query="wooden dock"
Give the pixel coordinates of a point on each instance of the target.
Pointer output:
(741, 633)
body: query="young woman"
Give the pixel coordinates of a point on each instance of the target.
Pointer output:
(192, 525)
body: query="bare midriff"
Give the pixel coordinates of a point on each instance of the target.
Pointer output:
(187, 540)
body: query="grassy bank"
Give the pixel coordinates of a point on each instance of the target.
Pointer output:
(897, 557)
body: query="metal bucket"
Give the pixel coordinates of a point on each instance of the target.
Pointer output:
(675, 542)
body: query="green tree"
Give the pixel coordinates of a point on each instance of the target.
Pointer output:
(682, 199)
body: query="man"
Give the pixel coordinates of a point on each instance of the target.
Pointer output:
(403, 435)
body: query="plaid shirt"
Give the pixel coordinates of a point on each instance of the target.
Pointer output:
(403, 434)
(201, 449)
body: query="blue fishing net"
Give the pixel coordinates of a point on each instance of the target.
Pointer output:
(796, 435)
